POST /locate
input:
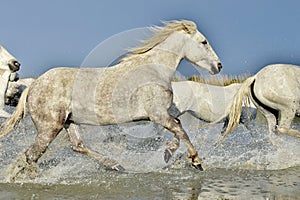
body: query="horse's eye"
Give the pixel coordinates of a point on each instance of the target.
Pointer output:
(204, 42)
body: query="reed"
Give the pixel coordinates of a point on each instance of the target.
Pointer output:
(220, 80)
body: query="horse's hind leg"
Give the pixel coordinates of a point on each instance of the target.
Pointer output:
(78, 146)
(271, 119)
(25, 165)
(271, 122)
(42, 141)
(285, 121)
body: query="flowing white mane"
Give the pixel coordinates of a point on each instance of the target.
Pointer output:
(160, 34)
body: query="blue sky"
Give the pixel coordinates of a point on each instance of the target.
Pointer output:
(246, 35)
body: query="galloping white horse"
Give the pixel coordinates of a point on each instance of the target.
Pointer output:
(275, 91)
(205, 101)
(138, 88)
(8, 66)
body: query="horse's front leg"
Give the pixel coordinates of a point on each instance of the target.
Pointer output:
(172, 147)
(78, 146)
(174, 125)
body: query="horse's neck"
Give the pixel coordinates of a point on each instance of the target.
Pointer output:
(161, 61)
(166, 60)
(170, 51)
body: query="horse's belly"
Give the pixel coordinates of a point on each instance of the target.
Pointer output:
(86, 110)
(101, 111)
(93, 116)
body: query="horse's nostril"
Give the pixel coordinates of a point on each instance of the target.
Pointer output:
(219, 66)
(17, 64)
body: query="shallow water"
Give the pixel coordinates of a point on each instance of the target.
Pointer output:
(244, 166)
(167, 184)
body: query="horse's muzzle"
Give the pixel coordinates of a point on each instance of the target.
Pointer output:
(14, 65)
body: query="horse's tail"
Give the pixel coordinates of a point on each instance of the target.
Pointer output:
(234, 108)
(18, 114)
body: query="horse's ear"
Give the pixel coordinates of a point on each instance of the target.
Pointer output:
(189, 27)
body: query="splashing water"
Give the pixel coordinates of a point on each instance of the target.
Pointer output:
(245, 156)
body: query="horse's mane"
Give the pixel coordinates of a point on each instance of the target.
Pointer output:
(160, 34)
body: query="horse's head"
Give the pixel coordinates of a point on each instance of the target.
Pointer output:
(182, 39)
(7, 61)
(198, 51)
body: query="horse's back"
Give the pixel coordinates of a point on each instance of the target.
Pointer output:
(55, 90)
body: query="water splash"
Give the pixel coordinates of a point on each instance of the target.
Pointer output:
(139, 148)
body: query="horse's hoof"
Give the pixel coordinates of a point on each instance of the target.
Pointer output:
(118, 168)
(167, 155)
(20, 170)
(198, 166)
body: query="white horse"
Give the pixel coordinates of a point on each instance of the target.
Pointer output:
(8, 67)
(207, 102)
(203, 101)
(275, 91)
(138, 88)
